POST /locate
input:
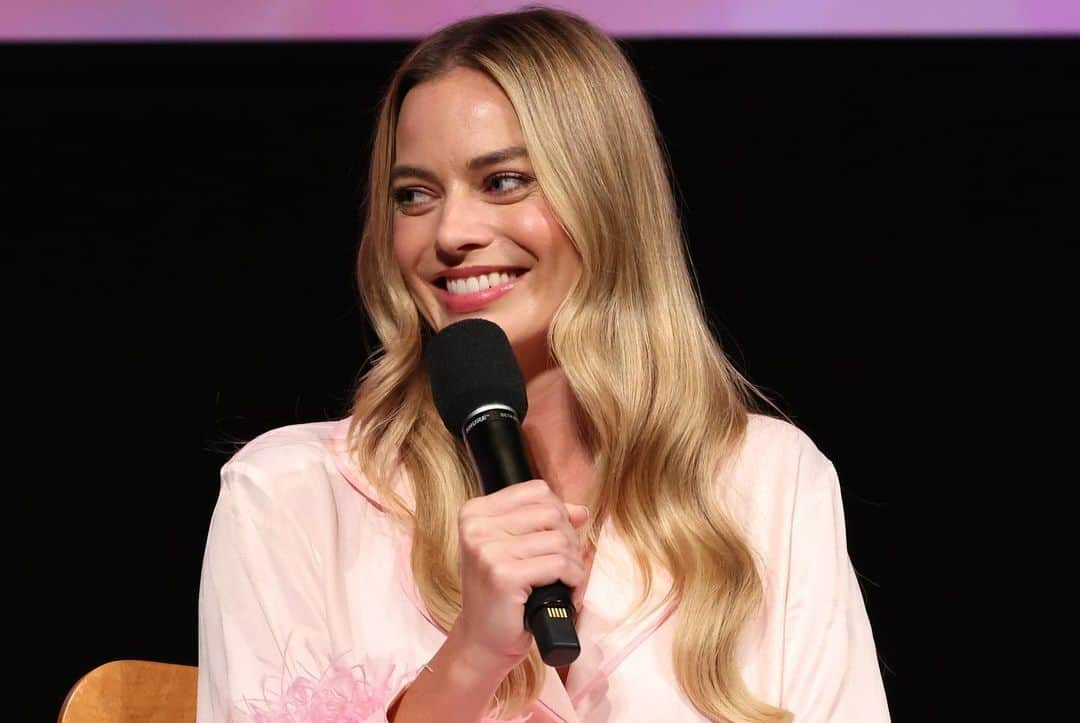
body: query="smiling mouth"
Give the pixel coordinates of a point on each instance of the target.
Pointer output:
(478, 282)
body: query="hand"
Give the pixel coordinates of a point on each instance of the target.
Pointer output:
(513, 540)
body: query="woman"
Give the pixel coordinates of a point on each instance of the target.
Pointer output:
(353, 571)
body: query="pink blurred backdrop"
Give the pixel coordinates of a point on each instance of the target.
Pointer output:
(364, 19)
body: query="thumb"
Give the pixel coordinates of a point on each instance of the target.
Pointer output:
(578, 514)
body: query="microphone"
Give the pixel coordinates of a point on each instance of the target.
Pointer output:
(480, 394)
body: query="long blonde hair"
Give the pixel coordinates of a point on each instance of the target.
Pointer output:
(661, 406)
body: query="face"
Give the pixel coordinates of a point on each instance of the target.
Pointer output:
(473, 234)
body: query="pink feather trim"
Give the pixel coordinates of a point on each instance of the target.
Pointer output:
(341, 694)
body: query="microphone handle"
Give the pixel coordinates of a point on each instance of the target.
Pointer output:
(493, 437)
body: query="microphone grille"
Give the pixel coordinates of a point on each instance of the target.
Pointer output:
(471, 364)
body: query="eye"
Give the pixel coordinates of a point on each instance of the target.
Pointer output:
(409, 197)
(504, 183)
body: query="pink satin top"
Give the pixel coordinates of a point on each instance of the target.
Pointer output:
(308, 610)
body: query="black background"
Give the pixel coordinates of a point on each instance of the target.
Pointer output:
(870, 221)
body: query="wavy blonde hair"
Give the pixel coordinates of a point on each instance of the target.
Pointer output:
(661, 407)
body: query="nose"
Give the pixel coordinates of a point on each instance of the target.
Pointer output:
(463, 226)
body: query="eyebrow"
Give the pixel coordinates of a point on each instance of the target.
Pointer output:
(483, 161)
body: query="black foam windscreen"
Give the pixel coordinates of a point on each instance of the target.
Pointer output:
(471, 364)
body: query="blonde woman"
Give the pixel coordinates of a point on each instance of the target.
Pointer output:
(353, 570)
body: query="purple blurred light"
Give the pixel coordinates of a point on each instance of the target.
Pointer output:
(357, 19)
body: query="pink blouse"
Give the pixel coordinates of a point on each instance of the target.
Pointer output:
(308, 610)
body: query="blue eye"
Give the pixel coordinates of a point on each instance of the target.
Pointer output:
(515, 182)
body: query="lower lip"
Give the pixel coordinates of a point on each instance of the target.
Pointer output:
(476, 300)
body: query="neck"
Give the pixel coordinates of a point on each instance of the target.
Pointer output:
(553, 437)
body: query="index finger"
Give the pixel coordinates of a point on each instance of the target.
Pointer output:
(515, 496)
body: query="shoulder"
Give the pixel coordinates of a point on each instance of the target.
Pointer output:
(284, 468)
(778, 446)
(302, 470)
(285, 448)
(776, 467)
(773, 442)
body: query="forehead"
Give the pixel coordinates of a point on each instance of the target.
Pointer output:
(458, 115)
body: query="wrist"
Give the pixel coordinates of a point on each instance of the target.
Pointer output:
(457, 686)
(471, 665)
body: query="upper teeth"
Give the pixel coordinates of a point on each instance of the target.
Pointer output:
(472, 284)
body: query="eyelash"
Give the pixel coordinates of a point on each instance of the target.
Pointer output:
(400, 195)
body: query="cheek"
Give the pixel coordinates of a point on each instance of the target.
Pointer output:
(556, 246)
(538, 231)
(532, 224)
(407, 248)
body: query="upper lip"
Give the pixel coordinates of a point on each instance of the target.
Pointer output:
(464, 272)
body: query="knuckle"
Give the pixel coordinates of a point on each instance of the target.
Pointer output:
(469, 529)
(546, 517)
(487, 555)
(501, 576)
(565, 545)
(469, 550)
(538, 487)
